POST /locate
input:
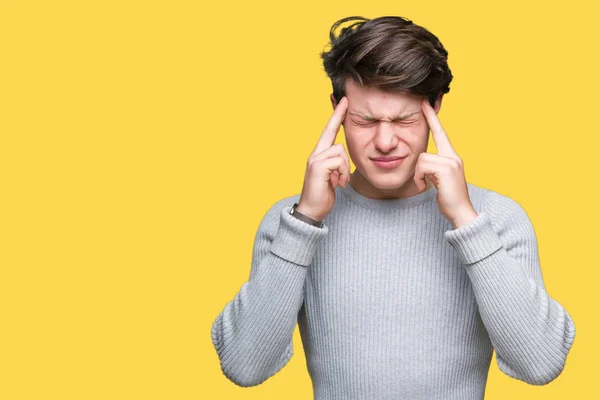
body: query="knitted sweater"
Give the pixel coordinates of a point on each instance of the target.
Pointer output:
(393, 303)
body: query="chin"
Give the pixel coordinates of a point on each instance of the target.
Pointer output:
(389, 181)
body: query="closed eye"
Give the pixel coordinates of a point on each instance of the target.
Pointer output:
(404, 122)
(363, 123)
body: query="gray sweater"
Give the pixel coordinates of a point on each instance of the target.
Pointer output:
(393, 303)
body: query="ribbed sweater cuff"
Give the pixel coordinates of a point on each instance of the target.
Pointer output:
(296, 241)
(474, 241)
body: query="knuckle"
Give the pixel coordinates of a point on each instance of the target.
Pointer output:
(312, 163)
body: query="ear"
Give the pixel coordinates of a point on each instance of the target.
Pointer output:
(438, 102)
(333, 102)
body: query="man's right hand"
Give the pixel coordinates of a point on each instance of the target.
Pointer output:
(327, 166)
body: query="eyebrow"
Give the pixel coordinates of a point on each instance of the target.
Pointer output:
(398, 118)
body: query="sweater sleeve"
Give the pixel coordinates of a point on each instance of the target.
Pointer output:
(531, 332)
(253, 333)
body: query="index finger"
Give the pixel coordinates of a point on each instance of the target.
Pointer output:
(442, 142)
(333, 126)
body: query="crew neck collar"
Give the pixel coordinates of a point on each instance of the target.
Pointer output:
(388, 204)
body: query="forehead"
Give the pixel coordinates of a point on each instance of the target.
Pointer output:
(380, 104)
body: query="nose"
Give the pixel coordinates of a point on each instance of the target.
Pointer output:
(385, 137)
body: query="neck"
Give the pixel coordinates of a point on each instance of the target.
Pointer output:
(365, 188)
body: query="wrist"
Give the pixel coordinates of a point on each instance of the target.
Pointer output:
(305, 218)
(307, 212)
(464, 218)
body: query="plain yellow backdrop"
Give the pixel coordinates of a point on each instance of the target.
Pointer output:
(143, 141)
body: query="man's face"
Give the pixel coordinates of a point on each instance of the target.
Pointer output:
(382, 124)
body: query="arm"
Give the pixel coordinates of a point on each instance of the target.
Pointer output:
(531, 332)
(253, 333)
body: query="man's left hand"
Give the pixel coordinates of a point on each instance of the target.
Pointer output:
(445, 170)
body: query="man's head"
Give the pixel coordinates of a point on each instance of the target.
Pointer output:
(385, 66)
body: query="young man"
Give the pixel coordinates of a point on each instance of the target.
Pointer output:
(403, 277)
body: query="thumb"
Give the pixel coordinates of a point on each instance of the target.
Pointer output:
(334, 177)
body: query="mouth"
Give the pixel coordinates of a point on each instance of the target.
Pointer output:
(388, 163)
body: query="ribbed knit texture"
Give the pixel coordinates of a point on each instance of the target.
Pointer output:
(393, 303)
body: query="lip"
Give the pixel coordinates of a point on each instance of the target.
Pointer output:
(388, 164)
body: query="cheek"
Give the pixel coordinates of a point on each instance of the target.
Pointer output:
(416, 135)
(353, 139)
(358, 136)
(356, 149)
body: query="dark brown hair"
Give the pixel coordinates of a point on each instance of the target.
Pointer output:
(390, 53)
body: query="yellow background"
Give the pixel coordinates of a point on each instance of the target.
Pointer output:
(143, 141)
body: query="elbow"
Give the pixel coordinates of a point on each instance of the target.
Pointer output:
(537, 374)
(243, 378)
(246, 367)
(542, 368)
(236, 375)
(544, 377)
(245, 374)
(248, 373)
(548, 372)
